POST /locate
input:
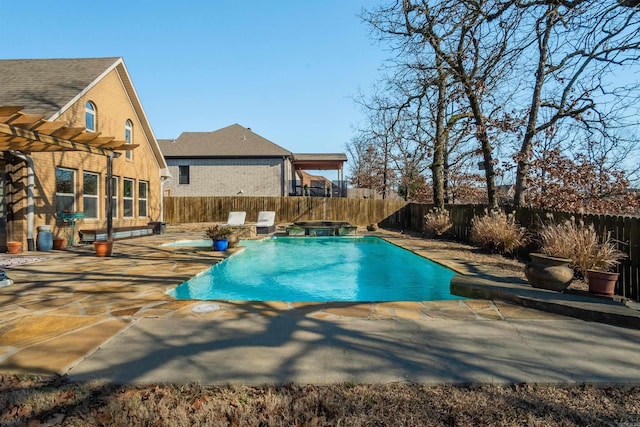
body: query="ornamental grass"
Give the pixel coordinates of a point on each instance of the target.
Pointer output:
(497, 232)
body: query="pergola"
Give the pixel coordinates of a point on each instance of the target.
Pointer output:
(31, 133)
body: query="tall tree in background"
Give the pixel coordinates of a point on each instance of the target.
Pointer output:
(577, 45)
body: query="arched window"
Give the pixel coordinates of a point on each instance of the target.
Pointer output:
(128, 136)
(90, 116)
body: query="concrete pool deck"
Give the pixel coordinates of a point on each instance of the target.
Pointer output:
(109, 319)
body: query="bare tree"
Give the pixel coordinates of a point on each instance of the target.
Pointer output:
(577, 44)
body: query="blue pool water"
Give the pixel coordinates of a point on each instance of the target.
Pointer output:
(299, 269)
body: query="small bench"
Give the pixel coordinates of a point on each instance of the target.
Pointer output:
(91, 235)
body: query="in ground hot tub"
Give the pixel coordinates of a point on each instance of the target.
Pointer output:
(322, 228)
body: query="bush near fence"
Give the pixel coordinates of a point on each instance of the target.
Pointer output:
(406, 216)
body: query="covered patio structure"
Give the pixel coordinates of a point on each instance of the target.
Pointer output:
(326, 161)
(22, 134)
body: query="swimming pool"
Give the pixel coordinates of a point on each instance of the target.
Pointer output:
(300, 269)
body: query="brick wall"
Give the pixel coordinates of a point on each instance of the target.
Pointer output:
(113, 110)
(227, 177)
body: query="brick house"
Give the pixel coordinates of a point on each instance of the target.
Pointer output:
(232, 160)
(79, 121)
(236, 161)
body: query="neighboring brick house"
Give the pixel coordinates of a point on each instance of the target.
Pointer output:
(227, 162)
(92, 98)
(236, 161)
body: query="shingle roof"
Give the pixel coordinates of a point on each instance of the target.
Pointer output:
(45, 86)
(231, 141)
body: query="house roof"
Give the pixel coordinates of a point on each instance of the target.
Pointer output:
(316, 161)
(47, 86)
(51, 86)
(231, 141)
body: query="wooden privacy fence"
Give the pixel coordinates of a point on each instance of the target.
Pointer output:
(624, 229)
(359, 212)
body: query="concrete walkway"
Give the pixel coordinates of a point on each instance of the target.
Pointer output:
(109, 319)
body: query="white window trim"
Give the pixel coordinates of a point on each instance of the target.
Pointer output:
(75, 199)
(128, 126)
(145, 199)
(132, 198)
(93, 112)
(91, 196)
(114, 198)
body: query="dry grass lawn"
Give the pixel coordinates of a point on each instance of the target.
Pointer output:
(51, 401)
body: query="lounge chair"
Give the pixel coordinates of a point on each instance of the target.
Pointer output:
(235, 219)
(266, 222)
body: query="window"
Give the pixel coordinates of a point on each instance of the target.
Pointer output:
(127, 198)
(90, 194)
(128, 136)
(183, 174)
(65, 190)
(90, 116)
(114, 196)
(143, 198)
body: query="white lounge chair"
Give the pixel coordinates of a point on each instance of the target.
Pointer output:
(266, 222)
(235, 219)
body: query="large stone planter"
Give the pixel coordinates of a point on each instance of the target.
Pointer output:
(548, 272)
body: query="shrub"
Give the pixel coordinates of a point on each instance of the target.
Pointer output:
(497, 232)
(581, 244)
(437, 222)
(218, 232)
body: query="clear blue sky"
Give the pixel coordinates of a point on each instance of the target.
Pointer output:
(286, 69)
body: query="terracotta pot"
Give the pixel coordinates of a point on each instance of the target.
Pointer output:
(233, 240)
(103, 248)
(549, 272)
(59, 243)
(14, 247)
(602, 282)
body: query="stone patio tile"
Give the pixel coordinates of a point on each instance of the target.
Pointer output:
(403, 313)
(407, 305)
(510, 311)
(126, 311)
(34, 328)
(350, 310)
(153, 312)
(51, 303)
(452, 310)
(57, 354)
(175, 304)
(11, 312)
(382, 311)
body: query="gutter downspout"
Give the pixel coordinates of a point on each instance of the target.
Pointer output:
(30, 198)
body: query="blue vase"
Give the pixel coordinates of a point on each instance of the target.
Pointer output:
(44, 241)
(220, 244)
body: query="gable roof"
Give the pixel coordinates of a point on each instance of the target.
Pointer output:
(47, 86)
(51, 86)
(231, 141)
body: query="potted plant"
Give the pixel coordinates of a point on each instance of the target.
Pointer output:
(219, 236)
(550, 268)
(60, 240)
(590, 255)
(14, 247)
(103, 248)
(597, 267)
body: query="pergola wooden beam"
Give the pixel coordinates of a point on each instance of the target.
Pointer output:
(32, 133)
(56, 140)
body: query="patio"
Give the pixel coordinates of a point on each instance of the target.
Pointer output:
(62, 309)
